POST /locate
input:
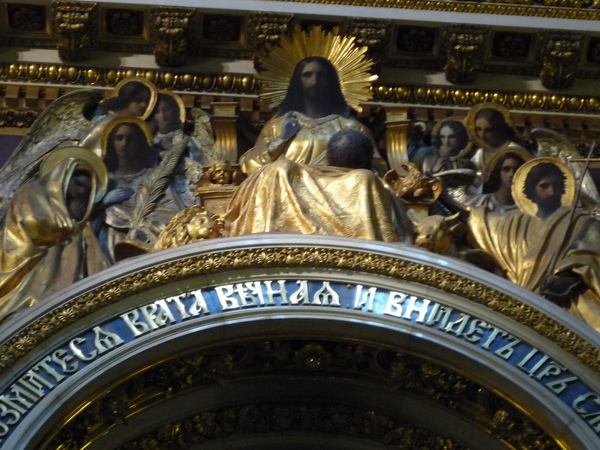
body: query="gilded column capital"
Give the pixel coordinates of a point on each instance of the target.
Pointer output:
(464, 52)
(265, 30)
(170, 30)
(559, 56)
(75, 25)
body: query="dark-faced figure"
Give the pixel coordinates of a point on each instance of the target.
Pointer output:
(166, 115)
(351, 149)
(492, 129)
(78, 194)
(315, 90)
(132, 99)
(545, 186)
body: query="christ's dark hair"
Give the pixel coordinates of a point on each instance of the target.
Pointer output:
(334, 101)
(538, 173)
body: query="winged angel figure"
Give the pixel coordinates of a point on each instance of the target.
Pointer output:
(65, 122)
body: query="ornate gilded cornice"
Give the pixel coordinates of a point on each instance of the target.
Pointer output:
(245, 84)
(77, 29)
(374, 34)
(90, 76)
(346, 363)
(266, 29)
(461, 97)
(564, 9)
(297, 257)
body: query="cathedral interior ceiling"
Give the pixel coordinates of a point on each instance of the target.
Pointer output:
(434, 59)
(540, 59)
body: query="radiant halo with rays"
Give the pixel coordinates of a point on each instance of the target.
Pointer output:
(349, 60)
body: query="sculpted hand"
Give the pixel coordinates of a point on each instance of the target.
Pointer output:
(290, 128)
(117, 195)
(562, 288)
(441, 164)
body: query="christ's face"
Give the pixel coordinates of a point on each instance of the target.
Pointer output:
(314, 80)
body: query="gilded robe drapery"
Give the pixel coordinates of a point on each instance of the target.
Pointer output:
(307, 146)
(524, 245)
(288, 196)
(43, 249)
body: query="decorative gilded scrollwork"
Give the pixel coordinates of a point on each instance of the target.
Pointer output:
(247, 84)
(73, 23)
(439, 95)
(412, 187)
(341, 361)
(170, 29)
(560, 53)
(465, 48)
(265, 30)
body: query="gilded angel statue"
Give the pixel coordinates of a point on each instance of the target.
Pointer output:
(75, 119)
(46, 241)
(547, 245)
